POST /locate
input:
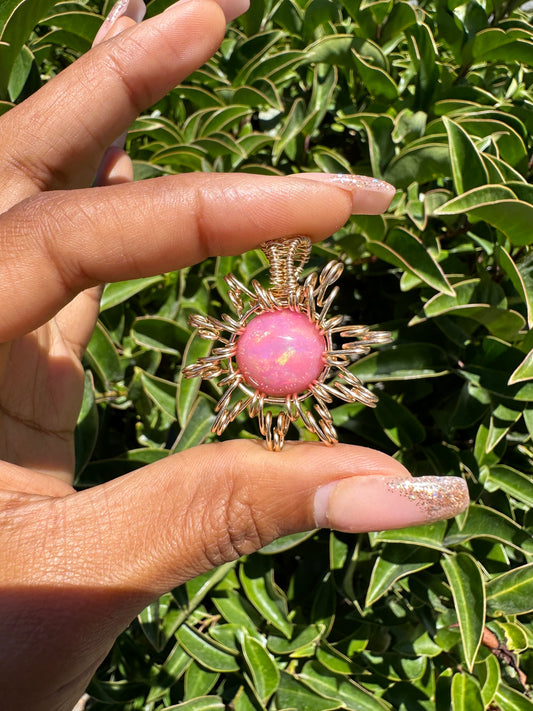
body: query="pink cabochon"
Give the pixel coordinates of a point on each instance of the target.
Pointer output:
(280, 352)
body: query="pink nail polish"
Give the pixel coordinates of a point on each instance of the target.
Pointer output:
(233, 8)
(230, 8)
(370, 196)
(135, 9)
(376, 503)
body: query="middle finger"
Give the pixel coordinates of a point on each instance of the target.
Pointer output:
(56, 138)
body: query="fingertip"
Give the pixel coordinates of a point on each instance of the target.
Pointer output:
(124, 13)
(115, 168)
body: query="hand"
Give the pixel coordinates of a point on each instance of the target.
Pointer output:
(77, 567)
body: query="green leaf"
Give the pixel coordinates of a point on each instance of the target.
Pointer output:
(198, 425)
(176, 664)
(86, 432)
(466, 694)
(495, 45)
(208, 653)
(258, 584)
(235, 609)
(103, 357)
(403, 249)
(375, 79)
(17, 20)
(491, 367)
(514, 634)
(424, 53)
(220, 144)
(380, 144)
(508, 139)
(503, 417)
(262, 667)
(522, 372)
(202, 703)
(285, 543)
(199, 681)
(347, 693)
(188, 389)
(467, 165)
(521, 278)
(468, 591)
(511, 593)
(302, 639)
(511, 216)
(468, 303)
(485, 523)
(222, 118)
(275, 68)
(156, 623)
(161, 334)
(398, 422)
(512, 700)
(191, 595)
(24, 78)
(489, 675)
(82, 24)
(294, 125)
(331, 49)
(429, 536)
(406, 361)
(292, 694)
(421, 164)
(395, 562)
(161, 392)
(401, 16)
(121, 291)
(513, 482)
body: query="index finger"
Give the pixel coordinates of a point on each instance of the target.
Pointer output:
(59, 134)
(59, 243)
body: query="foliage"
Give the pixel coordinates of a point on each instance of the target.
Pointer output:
(435, 97)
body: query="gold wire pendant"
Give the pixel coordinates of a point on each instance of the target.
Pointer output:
(279, 352)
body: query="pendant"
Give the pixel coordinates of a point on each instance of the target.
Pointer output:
(280, 356)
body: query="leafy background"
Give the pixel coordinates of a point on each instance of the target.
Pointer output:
(435, 97)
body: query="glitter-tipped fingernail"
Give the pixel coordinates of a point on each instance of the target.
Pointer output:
(370, 196)
(377, 503)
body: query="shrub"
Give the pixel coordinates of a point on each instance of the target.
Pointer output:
(435, 97)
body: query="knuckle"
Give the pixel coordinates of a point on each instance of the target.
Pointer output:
(234, 526)
(54, 233)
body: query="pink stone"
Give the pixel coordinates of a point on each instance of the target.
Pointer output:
(280, 352)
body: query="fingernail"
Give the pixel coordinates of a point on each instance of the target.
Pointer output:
(370, 196)
(115, 167)
(134, 9)
(233, 8)
(230, 8)
(377, 503)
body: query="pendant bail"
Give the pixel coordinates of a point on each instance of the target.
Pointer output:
(287, 258)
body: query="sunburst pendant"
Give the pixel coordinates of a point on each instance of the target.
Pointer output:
(278, 358)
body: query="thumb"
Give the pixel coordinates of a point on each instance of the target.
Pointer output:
(168, 522)
(78, 568)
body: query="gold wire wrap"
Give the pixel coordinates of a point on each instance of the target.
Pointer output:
(287, 258)
(314, 298)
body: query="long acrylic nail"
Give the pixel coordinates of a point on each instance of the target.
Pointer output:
(134, 9)
(370, 196)
(377, 503)
(230, 8)
(233, 8)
